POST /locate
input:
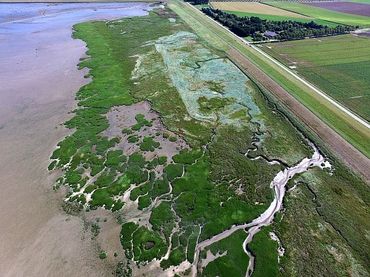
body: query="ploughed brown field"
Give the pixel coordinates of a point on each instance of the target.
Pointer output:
(344, 7)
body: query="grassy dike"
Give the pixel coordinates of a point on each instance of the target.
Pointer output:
(200, 190)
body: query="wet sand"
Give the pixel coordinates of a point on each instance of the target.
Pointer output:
(39, 78)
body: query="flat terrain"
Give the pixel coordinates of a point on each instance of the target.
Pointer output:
(319, 13)
(174, 142)
(344, 7)
(282, 18)
(254, 7)
(339, 65)
(181, 146)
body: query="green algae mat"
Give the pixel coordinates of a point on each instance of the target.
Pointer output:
(181, 146)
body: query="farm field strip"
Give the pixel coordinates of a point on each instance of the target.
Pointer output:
(344, 79)
(361, 1)
(254, 7)
(354, 132)
(314, 12)
(282, 18)
(344, 7)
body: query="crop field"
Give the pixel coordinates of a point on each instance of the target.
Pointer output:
(324, 14)
(254, 7)
(361, 1)
(181, 146)
(339, 65)
(344, 7)
(282, 18)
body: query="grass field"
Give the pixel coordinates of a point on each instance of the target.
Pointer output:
(218, 37)
(282, 18)
(254, 7)
(361, 1)
(339, 65)
(323, 14)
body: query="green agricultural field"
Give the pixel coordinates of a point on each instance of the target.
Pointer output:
(282, 18)
(186, 155)
(339, 65)
(324, 14)
(361, 1)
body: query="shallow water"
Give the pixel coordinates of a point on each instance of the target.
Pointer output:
(38, 81)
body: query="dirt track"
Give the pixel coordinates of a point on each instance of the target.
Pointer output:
(341, 148)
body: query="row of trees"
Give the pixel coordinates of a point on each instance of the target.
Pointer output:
(197, 2)
(285, 30)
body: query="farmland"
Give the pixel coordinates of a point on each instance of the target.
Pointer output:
(340, 66)
(344, 7)
(254, 7)
(324, 14)
(282, 18)
(265, 12)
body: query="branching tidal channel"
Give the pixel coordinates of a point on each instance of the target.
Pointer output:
(278, 185)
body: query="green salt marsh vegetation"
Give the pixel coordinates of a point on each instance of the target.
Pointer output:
(186, 178)
(231, 261)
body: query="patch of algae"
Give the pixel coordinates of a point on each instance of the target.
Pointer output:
(198, 73)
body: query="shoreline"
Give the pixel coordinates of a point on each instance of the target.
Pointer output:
(35, 101)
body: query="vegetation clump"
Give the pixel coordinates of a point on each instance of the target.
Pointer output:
(149, 144)
(141, 122)
(214, 104)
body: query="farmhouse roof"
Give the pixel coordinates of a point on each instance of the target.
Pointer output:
(270, 34)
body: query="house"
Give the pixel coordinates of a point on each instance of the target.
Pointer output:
(270, 34)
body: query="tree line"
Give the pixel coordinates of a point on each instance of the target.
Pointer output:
(197, 2)
(284, 30)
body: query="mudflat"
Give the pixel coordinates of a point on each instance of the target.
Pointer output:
(39, 79)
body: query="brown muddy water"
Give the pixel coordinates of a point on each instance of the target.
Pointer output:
(38, 81)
